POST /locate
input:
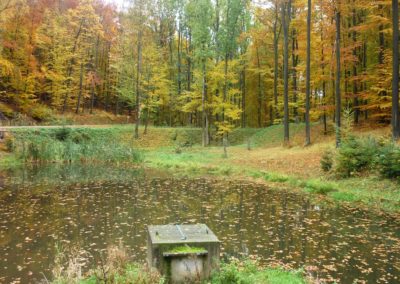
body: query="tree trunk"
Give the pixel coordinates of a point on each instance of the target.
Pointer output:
(244, 96)
(395, 87)
(285, 24)
(294, 72)
(189, 70)
(203, 107)
(80, 90)
(355, 82)
(259, 97)
(337, 82)
(138, 70)
(276, 63)
(94, 72)
(308, 75)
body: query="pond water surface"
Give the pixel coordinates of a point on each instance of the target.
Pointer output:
(44, 207)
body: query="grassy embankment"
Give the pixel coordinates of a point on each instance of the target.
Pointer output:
(233, 273)
(294, 167)
(178, 150)
(117, 268)
(68, 145)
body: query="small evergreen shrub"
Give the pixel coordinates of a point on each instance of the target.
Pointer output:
(356, 155)
(327, 161)
(388, 162)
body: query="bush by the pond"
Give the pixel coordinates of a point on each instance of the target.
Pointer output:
(388, 162)
(356, 155)
(73, 145)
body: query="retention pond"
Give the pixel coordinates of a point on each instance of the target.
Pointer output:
(90, 209)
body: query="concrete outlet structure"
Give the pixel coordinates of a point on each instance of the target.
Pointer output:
(183, 253)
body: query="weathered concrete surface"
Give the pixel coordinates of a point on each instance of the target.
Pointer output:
(183, 267)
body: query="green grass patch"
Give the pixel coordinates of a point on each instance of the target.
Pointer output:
(320, 187)
(344, 196)
(275, 177)
(9, 162)
(248, 272)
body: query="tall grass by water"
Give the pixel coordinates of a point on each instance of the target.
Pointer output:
(116, 267)
(69, 145)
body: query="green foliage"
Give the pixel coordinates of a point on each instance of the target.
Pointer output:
(356, 155)
(327, 161)
(320, 187)
(249, 272)
(274, 177)
(130, 273)
(73, 145)
(388, 162)
(62, 134)
(344, 196)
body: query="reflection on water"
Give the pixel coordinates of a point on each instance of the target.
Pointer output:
(93, 208)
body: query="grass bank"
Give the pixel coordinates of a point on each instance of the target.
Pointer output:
(70, 145)
(365, 191)
(295, 167)
(230, 273)
(116, 267)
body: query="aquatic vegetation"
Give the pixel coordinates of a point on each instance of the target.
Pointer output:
(74, 145)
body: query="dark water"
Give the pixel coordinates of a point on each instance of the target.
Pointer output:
(45, 207)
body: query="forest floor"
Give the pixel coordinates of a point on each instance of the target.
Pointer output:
(295, 167)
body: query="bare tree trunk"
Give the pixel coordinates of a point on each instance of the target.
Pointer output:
(259, 97)
(203, 107)
(395, 87)
(276, 63)
(308, 75)
(295, 59)
(95, 69)
(285, 24)
(80, 90)
(337, 83)
(138, 70)
(146, 124)
(355, 87)
(244, 96)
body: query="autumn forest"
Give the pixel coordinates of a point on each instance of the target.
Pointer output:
(212, 64)
(221, 141)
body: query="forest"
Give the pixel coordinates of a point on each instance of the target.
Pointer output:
(213, 64)
(228, 141)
